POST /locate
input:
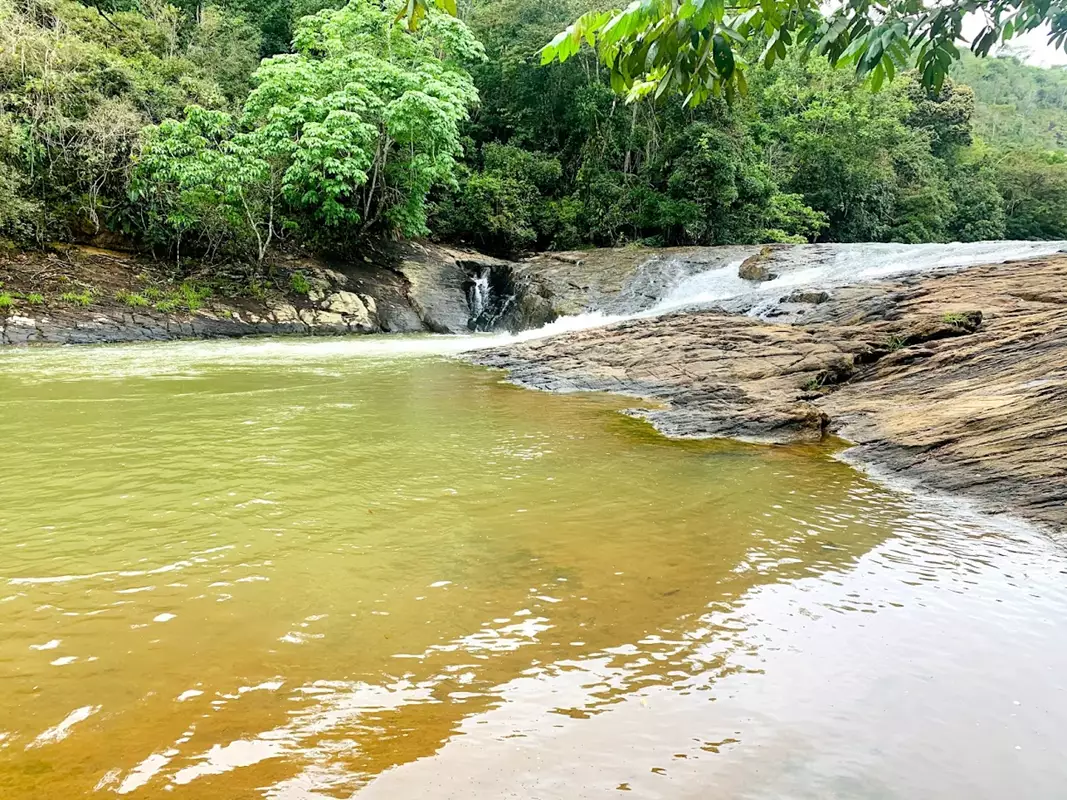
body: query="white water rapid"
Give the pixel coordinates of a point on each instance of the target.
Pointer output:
(708, 277)
(825, 267)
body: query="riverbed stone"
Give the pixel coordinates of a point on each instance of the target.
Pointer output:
(755, 269)
(808, 296)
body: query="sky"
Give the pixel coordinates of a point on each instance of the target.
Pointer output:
(1033, 47)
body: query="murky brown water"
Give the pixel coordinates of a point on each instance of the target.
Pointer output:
(315, 569)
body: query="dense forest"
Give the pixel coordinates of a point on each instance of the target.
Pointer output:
(228, 130)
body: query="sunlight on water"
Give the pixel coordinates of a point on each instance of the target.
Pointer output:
(305, 569)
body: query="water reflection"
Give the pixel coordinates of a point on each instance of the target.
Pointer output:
(404, 579)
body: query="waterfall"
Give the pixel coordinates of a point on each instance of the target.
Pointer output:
(478, 293)
(490, 296)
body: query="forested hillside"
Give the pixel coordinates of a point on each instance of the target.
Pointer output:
(161, 122)
(1018, 105)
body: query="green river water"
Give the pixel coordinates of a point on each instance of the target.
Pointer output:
(319, 569)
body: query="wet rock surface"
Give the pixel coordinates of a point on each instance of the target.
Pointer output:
(955, 381)
(754, 268)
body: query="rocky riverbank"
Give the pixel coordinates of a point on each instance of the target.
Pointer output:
(954, 380)
(72, 294)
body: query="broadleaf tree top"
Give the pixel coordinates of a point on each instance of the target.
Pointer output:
(695, 48)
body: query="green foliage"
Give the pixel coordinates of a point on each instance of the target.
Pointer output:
(1034, 188)
(6, 301)
(555, 161)
(35, 299)
(76, 88)
(201, 179)
(505, 204)
(81, 299)
(158, 120)
(963, 319)
(810, 153)
(132, 299)
(895, 342)
(849, 153)
(344, 137)
(979, 213)
(697, 48)
(299, 284)
(188, 296)
(1017, 106)
(191, 296)
(790, 220)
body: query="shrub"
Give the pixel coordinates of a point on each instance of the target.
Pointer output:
(299, 284)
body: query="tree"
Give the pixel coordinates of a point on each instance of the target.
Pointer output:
(352, 130)
(945, 114)
(201, 178)
(850, 153)
(1034, 188)
(77, 86)
(979, 207)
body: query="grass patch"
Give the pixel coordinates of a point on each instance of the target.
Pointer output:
(6, 301)
(968, 320)
(187, 297)
(193, 295)
(299, 284)
(81, 299)
(35, 299)
(132, 299)
(895, 342)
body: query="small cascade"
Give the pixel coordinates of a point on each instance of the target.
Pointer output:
(490, 295)
(478, 293)
(702, 278)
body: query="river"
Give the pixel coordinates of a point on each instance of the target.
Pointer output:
(317, 568)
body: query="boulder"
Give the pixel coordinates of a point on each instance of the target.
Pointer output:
(353, 308)
(753, 269)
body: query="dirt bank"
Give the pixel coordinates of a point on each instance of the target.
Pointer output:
(955, 381)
